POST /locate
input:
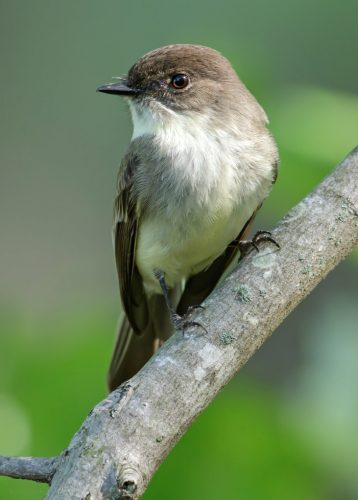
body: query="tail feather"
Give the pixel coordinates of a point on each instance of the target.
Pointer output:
(131, 350)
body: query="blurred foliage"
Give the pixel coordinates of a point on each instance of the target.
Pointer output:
(286, 427)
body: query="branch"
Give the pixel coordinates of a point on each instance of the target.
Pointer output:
(126, 437)
(36, 469)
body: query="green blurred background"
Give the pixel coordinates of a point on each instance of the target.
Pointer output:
(287, 426)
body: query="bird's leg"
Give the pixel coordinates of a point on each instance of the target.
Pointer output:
(159, 275)
(179, 322)
(246, 245)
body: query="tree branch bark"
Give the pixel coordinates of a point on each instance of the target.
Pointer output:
(126, 437)
(36, 469)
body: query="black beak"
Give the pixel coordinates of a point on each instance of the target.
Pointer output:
(118, 88)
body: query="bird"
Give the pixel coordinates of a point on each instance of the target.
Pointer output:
(199, 165)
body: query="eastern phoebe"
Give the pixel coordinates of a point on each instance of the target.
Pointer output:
(198, 167)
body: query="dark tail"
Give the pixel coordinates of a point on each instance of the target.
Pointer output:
(133, 350)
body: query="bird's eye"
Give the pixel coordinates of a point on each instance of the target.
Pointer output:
(180, 81)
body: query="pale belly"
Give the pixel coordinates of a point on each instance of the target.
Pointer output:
(183, 248)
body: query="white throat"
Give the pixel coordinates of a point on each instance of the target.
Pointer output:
(189, 137)
(144, 122)
(199, 151)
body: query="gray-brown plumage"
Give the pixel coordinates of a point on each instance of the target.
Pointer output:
(199, 165)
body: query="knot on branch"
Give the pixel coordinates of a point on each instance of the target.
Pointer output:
(129, 482)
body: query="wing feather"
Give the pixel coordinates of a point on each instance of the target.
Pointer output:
(125, 230)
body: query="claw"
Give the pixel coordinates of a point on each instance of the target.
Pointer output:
(182, 322)
(194, 323)
(259, 237)
(268, 238)
(191, 309)
(260, 232)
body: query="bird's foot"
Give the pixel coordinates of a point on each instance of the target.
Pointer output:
(246, 245)
(179, 322)
(184, 322)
